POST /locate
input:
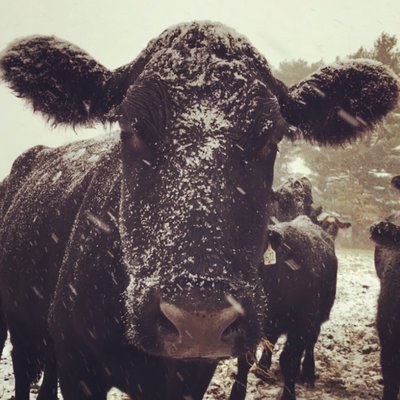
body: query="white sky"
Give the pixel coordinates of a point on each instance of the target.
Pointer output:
(114, 31)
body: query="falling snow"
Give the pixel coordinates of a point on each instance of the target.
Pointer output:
(347, 352)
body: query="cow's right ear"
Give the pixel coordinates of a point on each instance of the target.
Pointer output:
(340, 102)
(63, 82)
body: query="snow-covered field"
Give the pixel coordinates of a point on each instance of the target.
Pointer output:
(347, 353)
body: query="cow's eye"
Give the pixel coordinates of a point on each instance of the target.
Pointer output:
(137, 148)
(133, 141)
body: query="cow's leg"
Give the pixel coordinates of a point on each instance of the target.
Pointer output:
(264, 363)
(290, 360)
(239, 386)
(3, 330)
(265, 360)
(390, 362)
(24, 364)
(48, 389)
(79, 380)
(307, 375)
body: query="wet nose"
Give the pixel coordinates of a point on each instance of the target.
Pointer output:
(199, 333)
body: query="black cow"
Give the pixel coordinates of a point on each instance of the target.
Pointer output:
(126, 259)
(294, 197)
(386, 235)
(301, 288)
(291, 200)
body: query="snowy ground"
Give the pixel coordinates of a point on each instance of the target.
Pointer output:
(347, 353)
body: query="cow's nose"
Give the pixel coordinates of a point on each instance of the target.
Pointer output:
(199, 333)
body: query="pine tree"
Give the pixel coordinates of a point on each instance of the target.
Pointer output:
(352, 180)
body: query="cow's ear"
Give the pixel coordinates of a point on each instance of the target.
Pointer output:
(338, 103)
(59, 79)
(344, 225)
(63, 82)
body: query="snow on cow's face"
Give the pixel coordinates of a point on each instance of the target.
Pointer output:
(200, 129)
(193, 205)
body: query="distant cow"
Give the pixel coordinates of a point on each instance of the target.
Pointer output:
(134, 261)
(301, 288)
(331, 223)
(294, 197)
(386, 235)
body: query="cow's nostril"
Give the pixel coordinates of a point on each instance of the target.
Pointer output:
(198, 333)
(231, 329)
(166, 326)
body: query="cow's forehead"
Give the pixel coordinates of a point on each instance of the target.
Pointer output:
(193, 54)
(205, 58)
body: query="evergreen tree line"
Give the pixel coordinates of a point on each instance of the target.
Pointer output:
(353, 180)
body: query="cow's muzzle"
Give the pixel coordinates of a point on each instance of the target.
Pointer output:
(186, 333)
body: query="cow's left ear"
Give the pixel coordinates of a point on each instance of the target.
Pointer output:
(59, 79)
(338, 103)
(63, 82)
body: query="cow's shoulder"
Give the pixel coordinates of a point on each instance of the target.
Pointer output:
(47, 185)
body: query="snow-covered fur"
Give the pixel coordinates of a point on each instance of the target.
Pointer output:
(386, 235)
(342, 100)
(100, 237)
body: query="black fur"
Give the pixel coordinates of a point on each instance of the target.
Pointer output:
(386, 235)
(387, 265)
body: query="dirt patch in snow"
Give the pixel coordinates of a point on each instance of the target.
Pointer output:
(347, 352)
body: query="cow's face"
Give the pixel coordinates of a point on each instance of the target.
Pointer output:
(193, 218)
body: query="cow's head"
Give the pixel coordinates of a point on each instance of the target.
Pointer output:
(331, 224)
(292, 198)
(201, 116)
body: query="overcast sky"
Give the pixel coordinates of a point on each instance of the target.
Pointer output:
(114, 31)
